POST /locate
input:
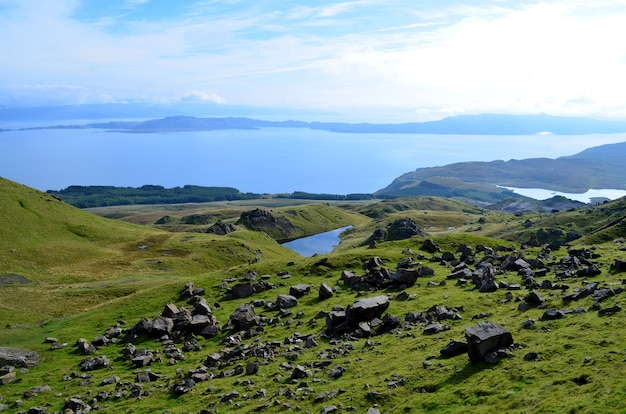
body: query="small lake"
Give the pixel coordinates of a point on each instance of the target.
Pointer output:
(318, 243)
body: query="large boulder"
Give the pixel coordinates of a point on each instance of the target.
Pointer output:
(484, 338)
(18, 358)
(242, 290)
(366, 309)
(406, 277)
(244, 317)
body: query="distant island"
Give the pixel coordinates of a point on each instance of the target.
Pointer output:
(485, 124)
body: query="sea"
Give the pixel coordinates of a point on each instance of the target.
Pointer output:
(269, 160)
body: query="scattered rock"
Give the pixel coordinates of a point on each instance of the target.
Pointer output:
(454, 348)
(325, 291)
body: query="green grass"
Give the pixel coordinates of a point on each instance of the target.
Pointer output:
(85, 279)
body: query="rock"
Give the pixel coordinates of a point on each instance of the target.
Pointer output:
(85, 347)
(161, 326)
(531, 356)
(76, 405)
(484, 338)
(37, 410)
(609, 311)
(325, 291)
(430, 246)
(373, 263)
(552, 314)
(244, 317)
(8, 378)
(434, 327)
(619, 265)
(488, 286)
(299, 290)
(252, 368)
(454, 348)
(406, 277)
(90, 364)
(300, 372)
(403, 228)
(366, 309)
(221, 228)
(242, 290)
(18, 358)
(533, 298)
(209, 331)
(286, 301)
(336, 372)
(110, 380)
(170, 311)
(202, 308)
(329, 409)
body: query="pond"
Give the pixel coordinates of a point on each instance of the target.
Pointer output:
(318, 243)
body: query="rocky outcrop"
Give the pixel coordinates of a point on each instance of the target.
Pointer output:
(399, 229)
(221, 228)
(261, 219)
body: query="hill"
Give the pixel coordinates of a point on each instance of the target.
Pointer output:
(131, 318)
(483, 124)
(597, 167)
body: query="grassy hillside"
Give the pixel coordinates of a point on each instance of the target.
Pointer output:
(103, 280)
(67, 260)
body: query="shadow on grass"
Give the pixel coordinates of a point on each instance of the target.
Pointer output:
(470, 369)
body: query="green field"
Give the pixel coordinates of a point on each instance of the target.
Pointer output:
(68, 273)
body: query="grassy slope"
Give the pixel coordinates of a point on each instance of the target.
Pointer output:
(581, 357)
(75, 260)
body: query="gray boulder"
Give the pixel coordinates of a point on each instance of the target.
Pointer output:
(406, 277)
(325, 291)
(242, 290)
(533, 298)
(484, 338)
(244, 317)
(286, 301)
(366, 309)
(18, 358)
(299, 290)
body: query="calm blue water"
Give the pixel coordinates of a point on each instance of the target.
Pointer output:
(261, 161)
(319, 243)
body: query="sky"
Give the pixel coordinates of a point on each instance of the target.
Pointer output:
(405, 60)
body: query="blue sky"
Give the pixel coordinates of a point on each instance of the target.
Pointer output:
(407, 60)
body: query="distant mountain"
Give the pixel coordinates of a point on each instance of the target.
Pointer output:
(486, 124)
(597, 167)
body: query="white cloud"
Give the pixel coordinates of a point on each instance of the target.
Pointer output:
(199, 96)
(555, 57)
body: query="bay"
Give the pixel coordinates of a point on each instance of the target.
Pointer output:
(271, 160)
(586, 197)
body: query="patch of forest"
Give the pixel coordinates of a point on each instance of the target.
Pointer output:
(103, 196)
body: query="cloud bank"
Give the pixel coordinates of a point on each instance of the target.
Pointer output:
(420, 62)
